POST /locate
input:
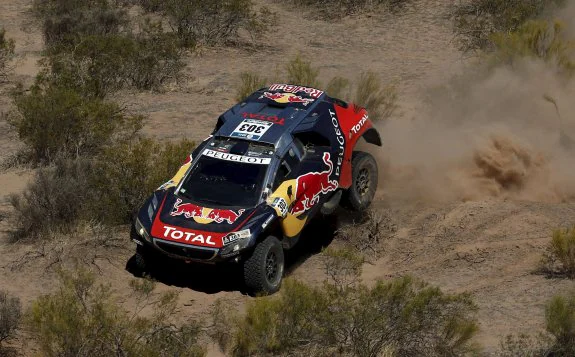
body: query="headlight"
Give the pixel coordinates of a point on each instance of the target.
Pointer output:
(236, 241)
(141, 230)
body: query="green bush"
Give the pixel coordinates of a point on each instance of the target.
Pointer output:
(371, 94)
(10, 313)
(6, 52)
(207, 22)
(66, 22)
(299, 71)
(402, 317)
(560, 255)
(560, 323)
(101, 65)
(127, 173)
(84, 319)
(476, 21)
(535, 39)
(53, 200)
(107, 188)
(59, 122)
(249, 83)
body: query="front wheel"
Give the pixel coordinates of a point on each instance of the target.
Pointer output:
(359, 195)
(263, 270)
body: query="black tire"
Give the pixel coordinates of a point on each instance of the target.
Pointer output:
(263, 270)
(141, 260)
(364, 174)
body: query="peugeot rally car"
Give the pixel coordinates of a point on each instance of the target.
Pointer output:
(273, 161)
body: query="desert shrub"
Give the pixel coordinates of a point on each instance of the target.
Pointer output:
(299, 71)
(523, 346)
(402, 317)
(83, 318)
(560, 255)
(107, 188)
(249, 83)
(371, 94)
(333, 9)
(476, 21)
(207, 22)
(535, 39)
(6, 52)
(53, 200)
(338, 87)
(66, 22)
(560, 323)
(57, 121)
(127, 173)
(366, 237)
(103, 64)
(10, 313)
(342, 266)
(368, 91)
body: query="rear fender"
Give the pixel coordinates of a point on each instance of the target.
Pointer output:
(355, 123)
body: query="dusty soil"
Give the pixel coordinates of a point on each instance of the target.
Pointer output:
(487, 243)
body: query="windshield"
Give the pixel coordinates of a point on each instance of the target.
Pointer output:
(220, 182)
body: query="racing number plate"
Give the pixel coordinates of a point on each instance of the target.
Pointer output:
(251, 129)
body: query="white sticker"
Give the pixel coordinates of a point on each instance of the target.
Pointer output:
(237, 158)
(281, 206)
(251, 129)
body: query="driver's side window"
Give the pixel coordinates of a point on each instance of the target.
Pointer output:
(287, 167)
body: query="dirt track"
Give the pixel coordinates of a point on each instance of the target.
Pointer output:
(488, 245)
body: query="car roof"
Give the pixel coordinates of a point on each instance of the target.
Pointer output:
(278, 110)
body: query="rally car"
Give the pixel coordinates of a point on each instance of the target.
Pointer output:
(274, 161)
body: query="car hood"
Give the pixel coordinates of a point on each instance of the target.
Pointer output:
(179, 219)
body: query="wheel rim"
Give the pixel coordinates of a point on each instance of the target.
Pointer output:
(362, 182)
(272, 268)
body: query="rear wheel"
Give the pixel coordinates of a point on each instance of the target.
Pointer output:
(263, 270)
(359, 195)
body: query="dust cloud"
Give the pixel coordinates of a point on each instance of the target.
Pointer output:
(505, 133)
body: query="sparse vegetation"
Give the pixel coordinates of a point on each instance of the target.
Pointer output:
(559, 339)
(66, 22)
(560, 255)
(127, 173)
(6, 53)
(106, 188)
(83, 318)
(249, 82)
(59, 122)
(560, 323)
(535, 39)
(299, 71)
(401, 317)
(476, 21)
(369, 92)
(207, 22)
(366, 237)
(340, 8)
(10, 313)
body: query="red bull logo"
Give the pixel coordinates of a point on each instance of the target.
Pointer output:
(309, 187)
(285, 98)
(205, 215)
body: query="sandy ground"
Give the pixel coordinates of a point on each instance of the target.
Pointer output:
(488, 246)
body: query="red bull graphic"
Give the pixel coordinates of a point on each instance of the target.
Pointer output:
(309, 187)
(190, 210)
(221, 215)
(285, 98)
(289, 88)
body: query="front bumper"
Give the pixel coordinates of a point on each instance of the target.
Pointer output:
(187, 252)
